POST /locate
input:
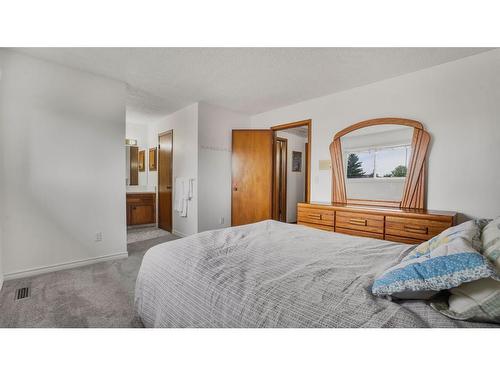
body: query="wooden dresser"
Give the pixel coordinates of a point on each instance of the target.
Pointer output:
(392, 224)
(141, 208)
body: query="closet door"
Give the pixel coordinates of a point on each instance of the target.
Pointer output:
(252, 176)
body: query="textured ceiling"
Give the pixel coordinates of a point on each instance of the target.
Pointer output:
(247, 80)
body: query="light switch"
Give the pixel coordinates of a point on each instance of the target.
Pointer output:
(325, 165)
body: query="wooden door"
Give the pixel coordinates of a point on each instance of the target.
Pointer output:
(252, 176)
(280, 174)
(165, 160)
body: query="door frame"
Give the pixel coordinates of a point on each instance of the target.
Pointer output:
(284, 181)
(290, 125)
(171, 131)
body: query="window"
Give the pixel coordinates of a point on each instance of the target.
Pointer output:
(383, 162)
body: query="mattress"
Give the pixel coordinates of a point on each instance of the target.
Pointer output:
(272, 274)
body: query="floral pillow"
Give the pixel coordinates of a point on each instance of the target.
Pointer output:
(444, 262)
(478, 300)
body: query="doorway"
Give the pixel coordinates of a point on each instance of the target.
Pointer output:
(291, 170)
(280, 172)
(165, 167)
(257, 190)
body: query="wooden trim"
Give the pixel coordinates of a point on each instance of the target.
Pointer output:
(142, 161)
(339, 194)
(171, 131)
(152, 159)
(297, 124)
(290, 125)
(307, 187)
(369, 202)
(414, 188)
(276, 191)
(379, 121)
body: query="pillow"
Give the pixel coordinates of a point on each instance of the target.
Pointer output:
(477, 301)
(444, 262)
(491, 242)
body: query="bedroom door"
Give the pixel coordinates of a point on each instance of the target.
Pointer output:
(252, 176)
(165, 157)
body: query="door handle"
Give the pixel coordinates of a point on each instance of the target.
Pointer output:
(315, 216)
(418, 230)
(354, 221)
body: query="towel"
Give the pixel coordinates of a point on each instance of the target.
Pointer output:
(178, 191)
(190, 191)
(183, 193)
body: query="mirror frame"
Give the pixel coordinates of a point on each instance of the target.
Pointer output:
(414, 188)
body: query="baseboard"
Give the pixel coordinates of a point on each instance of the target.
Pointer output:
(179, 234)
(63, 266)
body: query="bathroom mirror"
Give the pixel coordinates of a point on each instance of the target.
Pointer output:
(132, 165)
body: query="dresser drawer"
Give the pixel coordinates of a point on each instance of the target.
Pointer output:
(317, 226)
(407, 240)
(360, 222)
(421, 229)
(316, 216)
(359, 233)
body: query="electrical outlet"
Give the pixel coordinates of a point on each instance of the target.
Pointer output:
(221, 220)
(98, 237)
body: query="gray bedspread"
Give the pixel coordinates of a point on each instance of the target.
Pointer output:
(272, 274)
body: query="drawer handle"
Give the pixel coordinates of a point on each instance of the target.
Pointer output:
(361, 222)
(314, 216)
(419, 230)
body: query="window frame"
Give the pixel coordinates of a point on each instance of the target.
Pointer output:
(374, 150)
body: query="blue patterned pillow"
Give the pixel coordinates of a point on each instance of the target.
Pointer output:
(443, 262)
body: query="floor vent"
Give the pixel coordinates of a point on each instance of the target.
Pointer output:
(23, 293)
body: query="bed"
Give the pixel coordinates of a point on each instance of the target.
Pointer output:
(272, 274)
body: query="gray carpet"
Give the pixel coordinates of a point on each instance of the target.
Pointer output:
(143, 234)
(99, 295)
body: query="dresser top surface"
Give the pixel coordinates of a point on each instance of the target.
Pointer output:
(380, 209)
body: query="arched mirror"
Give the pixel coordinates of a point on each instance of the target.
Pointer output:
(380, 162)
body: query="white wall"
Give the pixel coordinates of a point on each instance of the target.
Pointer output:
(214, 164)
(63, 176)
(184, 124)
(295, 181)
(1, 254)
(2, 136)
(1, 195)
(458, 103)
